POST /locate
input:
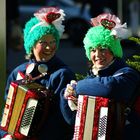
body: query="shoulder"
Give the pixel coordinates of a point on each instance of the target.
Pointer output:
(20, 68)
(127, 70)
(57, 61)
(64, 72)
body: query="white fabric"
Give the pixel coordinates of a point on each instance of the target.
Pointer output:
(72, 105)
(8, 137)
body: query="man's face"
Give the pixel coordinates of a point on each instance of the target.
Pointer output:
(101, 57)
(45, 48)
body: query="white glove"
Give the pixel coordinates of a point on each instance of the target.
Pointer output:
(7, 137)
(72, 104)
(70, 90)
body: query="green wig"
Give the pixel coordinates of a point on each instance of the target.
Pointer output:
(100, 36)
(32, 36)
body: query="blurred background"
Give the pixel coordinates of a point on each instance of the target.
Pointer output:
(78, 14)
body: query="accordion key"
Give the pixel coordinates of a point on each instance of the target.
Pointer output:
(25, 109)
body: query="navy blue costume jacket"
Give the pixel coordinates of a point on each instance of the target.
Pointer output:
(58, 76)
(117, 81)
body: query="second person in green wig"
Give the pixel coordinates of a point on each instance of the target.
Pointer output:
(109, 76)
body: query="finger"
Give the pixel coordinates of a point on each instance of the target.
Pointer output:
(73, 82)
(66, 94)
(70, 87)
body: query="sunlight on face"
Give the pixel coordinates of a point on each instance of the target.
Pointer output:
(45, 48)
(101, 57)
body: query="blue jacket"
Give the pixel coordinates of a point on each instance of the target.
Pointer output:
(118, 81)
(58, 76)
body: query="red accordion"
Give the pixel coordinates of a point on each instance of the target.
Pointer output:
(92, 118)
(25, 109)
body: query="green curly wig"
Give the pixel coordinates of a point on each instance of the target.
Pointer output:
(31, 37)
(100, 36)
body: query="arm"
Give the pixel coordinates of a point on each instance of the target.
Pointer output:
(59, 79)
(121, 85)
(68, 115)
(57, 83)
(13, 76)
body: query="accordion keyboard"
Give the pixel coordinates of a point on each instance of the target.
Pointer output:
(28, 116)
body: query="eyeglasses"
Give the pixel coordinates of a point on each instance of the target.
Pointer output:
(45, 43)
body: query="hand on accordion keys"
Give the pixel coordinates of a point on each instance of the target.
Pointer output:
(7, 137)
(70, 95)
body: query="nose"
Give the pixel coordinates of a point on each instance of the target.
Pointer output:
(47, 47)
(98, 53)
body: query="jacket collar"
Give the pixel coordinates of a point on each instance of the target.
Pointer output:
(112, 68)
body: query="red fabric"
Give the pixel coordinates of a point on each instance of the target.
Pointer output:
(137, 105)
(83, 117)
(21, 74)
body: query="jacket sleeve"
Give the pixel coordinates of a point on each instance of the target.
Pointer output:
(57, 83)
(68, 115)
(13, 77)
(120, 85)
(59, 79)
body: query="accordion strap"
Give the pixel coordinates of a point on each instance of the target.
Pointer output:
(122, 111)
(132, 101)
(119, 122)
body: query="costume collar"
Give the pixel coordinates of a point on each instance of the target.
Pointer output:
(113, 67)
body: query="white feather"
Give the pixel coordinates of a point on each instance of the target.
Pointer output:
(121, 31)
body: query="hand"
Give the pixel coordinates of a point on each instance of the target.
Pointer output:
(70, 89)
(7, 137)
(69, 92)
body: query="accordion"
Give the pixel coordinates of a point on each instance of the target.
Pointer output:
(92, 118)
(25, 109)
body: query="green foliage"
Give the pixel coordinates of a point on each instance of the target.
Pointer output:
(137, 40)
(79, 76)
(134, 62)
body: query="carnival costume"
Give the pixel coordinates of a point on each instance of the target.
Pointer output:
(116, 81)
(47, 21)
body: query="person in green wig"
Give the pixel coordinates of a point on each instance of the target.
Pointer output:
(42, 34)
(109, 76)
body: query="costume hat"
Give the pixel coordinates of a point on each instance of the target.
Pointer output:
(106, 33)
(45, 21)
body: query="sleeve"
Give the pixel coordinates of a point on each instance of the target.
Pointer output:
(57, 83)
(2, 133)
(12, 77)
(68, 115)
(59, 79)
(121, 85)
